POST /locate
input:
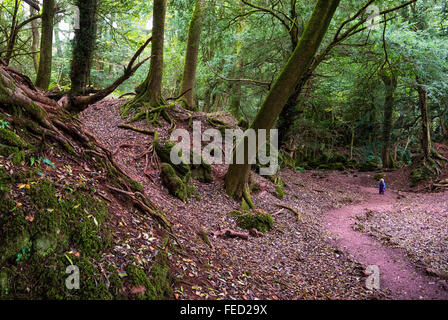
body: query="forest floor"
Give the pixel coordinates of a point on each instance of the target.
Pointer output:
(345, 227)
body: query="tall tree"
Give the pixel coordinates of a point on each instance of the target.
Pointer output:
(237, 176)
(191, 57)
(83, 47)
(235, 101)
(35, 39)
(425, 121)
(390, 83)
(46, 44)
(149, 93)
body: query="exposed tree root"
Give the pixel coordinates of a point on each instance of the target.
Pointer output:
(228, 233)
(45, 119)
(298, 214)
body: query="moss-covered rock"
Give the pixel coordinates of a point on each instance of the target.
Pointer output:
(259, 220)
(368, 166)
(200, 172)
(173, 182)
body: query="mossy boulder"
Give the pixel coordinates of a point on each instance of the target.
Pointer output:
(260, 220)
(178, 187)
(338, 158)
(339, 166)
(163, 150)
(368, 166)
(200, 171)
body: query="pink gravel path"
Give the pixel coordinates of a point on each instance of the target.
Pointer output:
(397, 273)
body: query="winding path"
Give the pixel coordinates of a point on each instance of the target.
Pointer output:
(397, 273)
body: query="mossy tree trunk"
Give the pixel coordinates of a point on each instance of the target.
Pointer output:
(46, 45)
(83, 47)
(426, 125)
(238, 174)
(191, 57)
(150, 91)
(390, 82)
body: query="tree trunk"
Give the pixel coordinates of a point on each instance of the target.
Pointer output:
(426, 126)
(191, 57)
(235, 101)
(443, 126)
(46, 45)
(238, 174)
(12, 34)
(390, 83)
(150, 91)
(35, 39)
(83, 47)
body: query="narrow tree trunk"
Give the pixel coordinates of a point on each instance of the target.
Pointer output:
(390, 83)
(191, 57)
(426, 126)
(238, 174)
(35, 39)
(443, 126)
(12, 34)
(46, 45)
(83, 47)
(235, 101)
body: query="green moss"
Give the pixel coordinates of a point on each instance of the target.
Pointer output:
(235, 213)
(261, 221)
(163, 150)
(18, 157)
(336, 166)
(173, 182)
(7, 150)
(177, 186)
(158, 284)
(279, 193)
(77, 219)
(203, 235)
(8, 137)
(368, 166)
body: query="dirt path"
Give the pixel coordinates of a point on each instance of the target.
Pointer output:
(397, 273)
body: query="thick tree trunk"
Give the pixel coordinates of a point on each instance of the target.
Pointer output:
(83, 47)
(237, 174)
(390, 83)
(151, 89)
(46, 45)
(426, 126)
(191, 57)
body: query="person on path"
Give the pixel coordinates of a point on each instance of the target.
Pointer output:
(382, 186)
